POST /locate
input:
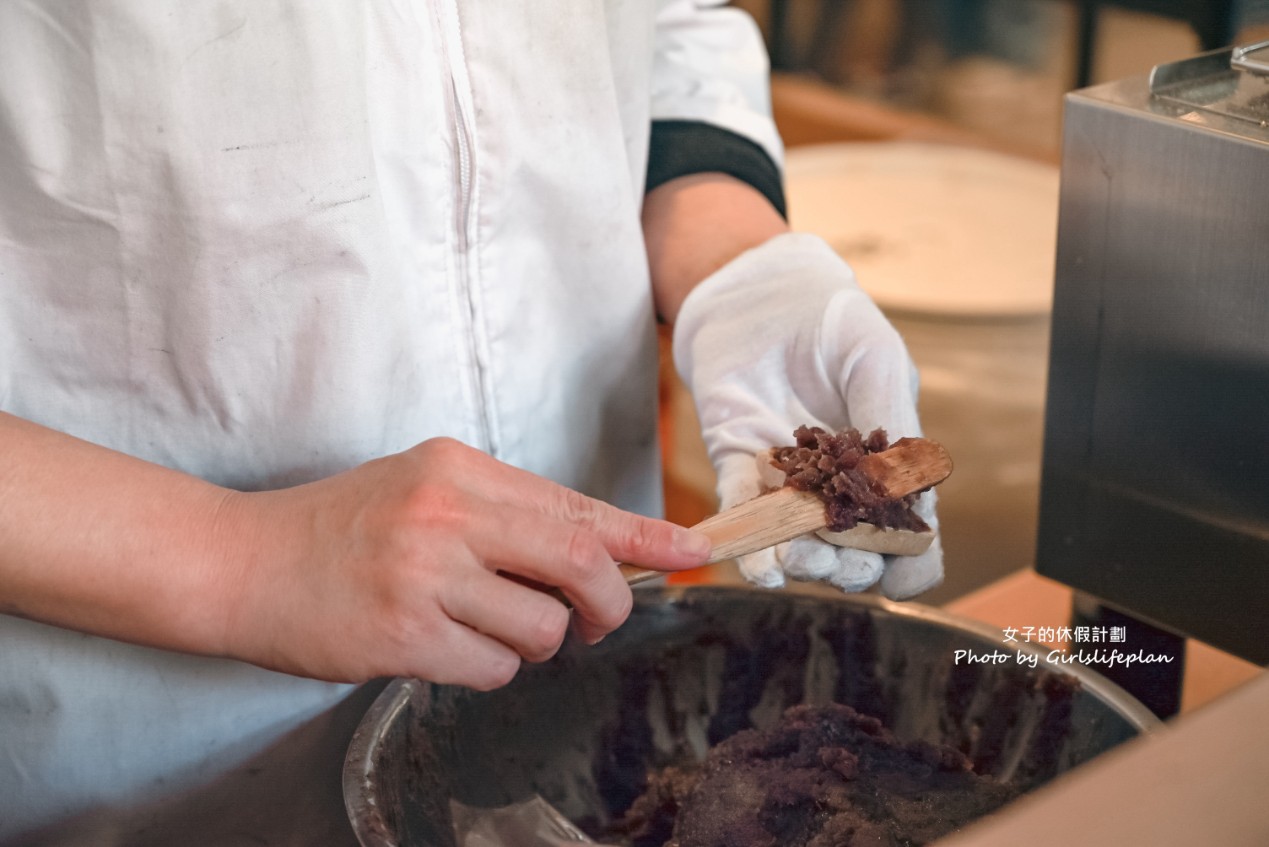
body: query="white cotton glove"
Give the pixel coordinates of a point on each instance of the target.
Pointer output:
(781, 337)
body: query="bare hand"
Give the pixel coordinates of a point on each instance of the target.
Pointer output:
(410, 566)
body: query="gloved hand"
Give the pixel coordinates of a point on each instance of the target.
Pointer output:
(783, 336)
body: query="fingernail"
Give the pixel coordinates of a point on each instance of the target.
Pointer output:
(689, 543)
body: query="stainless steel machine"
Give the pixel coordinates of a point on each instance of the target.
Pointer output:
(1155, 489)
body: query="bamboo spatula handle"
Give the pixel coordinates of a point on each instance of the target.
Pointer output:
(753, 525)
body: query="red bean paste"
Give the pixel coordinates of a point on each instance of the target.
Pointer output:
(822, 776)
(825, 464)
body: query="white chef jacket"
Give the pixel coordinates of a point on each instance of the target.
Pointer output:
(262, 241)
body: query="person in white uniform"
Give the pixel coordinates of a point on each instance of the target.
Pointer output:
(320, 319)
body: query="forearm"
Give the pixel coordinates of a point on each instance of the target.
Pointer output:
(101, 542)
(395, 567)
(694, 225)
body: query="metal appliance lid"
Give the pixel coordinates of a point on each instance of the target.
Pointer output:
(1232, 83)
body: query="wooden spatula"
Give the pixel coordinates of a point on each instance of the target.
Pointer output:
(911, 465)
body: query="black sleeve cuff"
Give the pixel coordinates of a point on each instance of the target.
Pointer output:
(680, 148)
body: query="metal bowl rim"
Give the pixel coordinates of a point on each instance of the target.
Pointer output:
(358, 771)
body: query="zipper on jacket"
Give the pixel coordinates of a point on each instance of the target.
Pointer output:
(459, 93)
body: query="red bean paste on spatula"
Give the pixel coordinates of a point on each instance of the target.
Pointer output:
(826, 464)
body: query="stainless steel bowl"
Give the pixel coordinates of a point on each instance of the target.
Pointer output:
(691, 667)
